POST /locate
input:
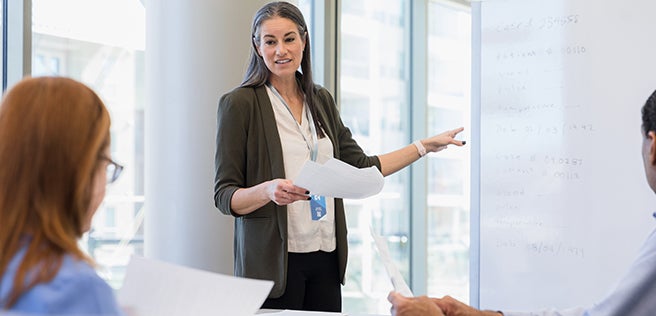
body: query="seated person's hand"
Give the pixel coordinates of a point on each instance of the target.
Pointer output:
(413, 306)
(452, 307)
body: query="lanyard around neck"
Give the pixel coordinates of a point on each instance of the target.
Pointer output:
(314, 146)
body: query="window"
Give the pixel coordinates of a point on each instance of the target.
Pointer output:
(104, 48)
(374, 98)
(373, 88)
(448, 100)
(307, 8)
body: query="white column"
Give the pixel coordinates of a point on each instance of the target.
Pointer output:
(195, 51)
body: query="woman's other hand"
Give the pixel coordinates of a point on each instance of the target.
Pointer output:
(283, 192)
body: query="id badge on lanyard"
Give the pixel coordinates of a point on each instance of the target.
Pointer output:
(317, 202)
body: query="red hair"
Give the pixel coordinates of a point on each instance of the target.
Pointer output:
(52, 131)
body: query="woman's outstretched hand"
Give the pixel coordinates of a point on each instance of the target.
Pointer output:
(440, 141)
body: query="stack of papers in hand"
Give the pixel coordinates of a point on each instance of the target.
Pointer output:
(338, 179)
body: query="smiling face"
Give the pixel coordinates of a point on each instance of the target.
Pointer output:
(281, 46)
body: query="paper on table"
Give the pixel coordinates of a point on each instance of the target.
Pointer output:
(157, 288)
(336, 178)
(392, 271)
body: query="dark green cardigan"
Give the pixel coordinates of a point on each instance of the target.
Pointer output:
(248, 152)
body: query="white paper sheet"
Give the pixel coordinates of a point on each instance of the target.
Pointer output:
(336, 178)
(392, 271)
(157, 288)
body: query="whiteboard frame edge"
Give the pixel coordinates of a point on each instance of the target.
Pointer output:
(475, 199)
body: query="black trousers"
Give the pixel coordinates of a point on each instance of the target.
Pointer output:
(312, 283)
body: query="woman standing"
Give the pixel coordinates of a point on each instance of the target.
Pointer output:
(267, 128)
(55, 164)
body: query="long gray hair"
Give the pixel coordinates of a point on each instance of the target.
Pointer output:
(257, 73)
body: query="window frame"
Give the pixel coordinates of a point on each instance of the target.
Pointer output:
(17, 41)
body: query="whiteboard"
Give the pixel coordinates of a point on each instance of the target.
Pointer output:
(563, 201)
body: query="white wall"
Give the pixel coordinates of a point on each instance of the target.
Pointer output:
(195, 52)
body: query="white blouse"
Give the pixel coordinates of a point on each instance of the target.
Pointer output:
(304, 234)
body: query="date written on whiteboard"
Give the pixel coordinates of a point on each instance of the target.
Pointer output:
(543, 248)
(555, 249)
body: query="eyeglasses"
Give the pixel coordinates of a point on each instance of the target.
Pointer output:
(114, 169)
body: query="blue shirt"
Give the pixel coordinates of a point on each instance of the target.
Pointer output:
(76, 290)
(635, 295)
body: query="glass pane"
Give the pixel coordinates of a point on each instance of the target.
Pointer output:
(374, 105)
(306, 7)
(101, 43)
(449, 35)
